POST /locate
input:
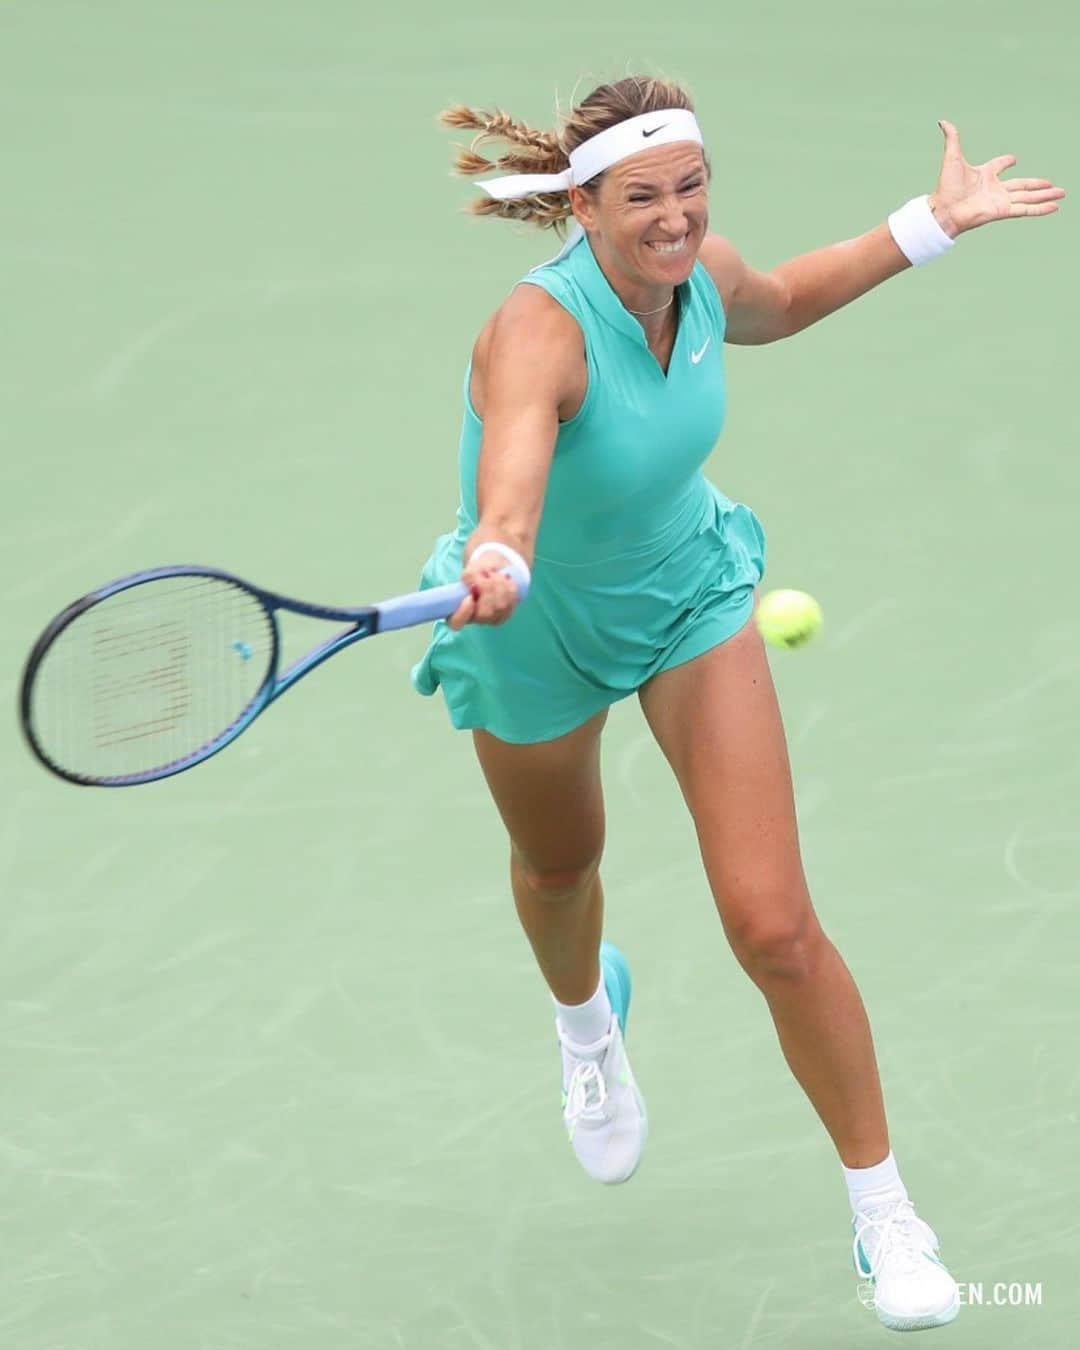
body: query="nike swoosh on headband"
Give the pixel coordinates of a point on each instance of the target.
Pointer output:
(654, 130)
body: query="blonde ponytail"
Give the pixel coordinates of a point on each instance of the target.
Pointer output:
(531, 151)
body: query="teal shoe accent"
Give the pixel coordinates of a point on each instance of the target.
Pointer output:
(616, 981)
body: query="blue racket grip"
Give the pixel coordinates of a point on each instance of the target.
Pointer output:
(437, 603)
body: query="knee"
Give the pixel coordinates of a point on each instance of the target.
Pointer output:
(776, 938)
(563, 881)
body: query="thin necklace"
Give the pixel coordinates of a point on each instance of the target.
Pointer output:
(644, 313)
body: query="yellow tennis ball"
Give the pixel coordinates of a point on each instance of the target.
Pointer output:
(788, 618)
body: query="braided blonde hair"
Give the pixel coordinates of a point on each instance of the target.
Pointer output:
(533, 151)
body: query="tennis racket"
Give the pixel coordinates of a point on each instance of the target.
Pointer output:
(156, 672)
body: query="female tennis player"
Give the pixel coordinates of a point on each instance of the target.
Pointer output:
(593, 397)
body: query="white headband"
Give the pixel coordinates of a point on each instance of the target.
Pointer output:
(600, 152)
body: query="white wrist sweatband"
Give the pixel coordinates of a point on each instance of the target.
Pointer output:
(918, 235)
(518, 569)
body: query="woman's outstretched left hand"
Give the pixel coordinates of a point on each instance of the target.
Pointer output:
(968, 195)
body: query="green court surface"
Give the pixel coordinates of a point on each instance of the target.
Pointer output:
(279, 1072)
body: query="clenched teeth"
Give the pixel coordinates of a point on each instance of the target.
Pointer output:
(659, 246)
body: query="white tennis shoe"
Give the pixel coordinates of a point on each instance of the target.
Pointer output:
(603, 1110)
(903, 1278)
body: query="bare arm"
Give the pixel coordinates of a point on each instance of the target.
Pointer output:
(527, 370)
(765, 306)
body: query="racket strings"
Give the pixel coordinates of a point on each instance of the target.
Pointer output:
(151, 676)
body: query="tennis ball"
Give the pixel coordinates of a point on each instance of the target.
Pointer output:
(788, 618)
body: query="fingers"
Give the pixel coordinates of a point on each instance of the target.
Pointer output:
(1033, 191)
(492, 598)
(1037, 198)
(1021, 209)
(952, 139)
(463, 614)
(1032, 197)
(498, 596)
(1000, 164)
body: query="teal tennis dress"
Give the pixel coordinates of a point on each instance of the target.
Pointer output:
(641, 564)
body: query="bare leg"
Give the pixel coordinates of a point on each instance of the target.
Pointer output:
(717, 720)
(550, 799)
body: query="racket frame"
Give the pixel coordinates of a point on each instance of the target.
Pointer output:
(362, 622)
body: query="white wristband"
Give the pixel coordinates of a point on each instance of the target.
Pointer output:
(518, 569)
(918, 235)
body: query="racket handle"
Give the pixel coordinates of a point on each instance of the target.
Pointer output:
(421, 607)
(437, 603)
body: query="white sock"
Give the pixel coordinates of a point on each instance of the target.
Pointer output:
(874, 1184)
(585, 1023)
